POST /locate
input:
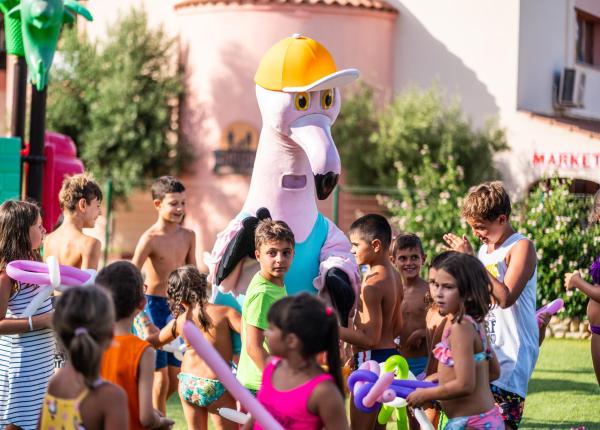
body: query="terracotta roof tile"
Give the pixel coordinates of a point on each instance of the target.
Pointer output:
(377, 5)
(589, 127)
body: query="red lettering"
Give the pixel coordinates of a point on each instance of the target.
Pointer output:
(538, 159)
(574, 162)
(584, 161)
(597, 157)
(551, 160)
(562, 160)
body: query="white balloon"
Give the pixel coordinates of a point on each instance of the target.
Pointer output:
(233, 415)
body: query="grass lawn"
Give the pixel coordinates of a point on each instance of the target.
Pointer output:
(562, 394)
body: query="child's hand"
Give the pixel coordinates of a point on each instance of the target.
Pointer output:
(458, 244)
(42, 321)
(417, 398)
(544, 319)
(572, 280)
(415, 340)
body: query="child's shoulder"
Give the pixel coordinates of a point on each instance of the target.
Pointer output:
(381, 276)
(108, 393)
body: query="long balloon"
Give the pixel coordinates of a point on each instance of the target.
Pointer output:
(210, 355)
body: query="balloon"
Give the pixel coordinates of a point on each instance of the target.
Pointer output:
(49, 276)
(210, 355)
(553, 307)
(233, 415)
(177, 347)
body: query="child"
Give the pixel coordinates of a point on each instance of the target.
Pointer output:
(199, 389)
(295, 389)
(79, 199)
(512, 262)
(574, 280)
(23, 341)
(274, 251)
(167, 246)
(379, 319)
(408, 257)
(129, 361)
(462, 293)
(77, 397)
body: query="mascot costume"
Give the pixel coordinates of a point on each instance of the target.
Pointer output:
(297, 88)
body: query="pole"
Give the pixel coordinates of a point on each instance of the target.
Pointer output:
(109, 189)
(36, 158)
(17, 117)
(336, 205)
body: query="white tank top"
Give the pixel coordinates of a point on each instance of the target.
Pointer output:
(513, 331)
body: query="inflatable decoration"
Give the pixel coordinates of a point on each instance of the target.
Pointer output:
(553, 307)
(374, 386)
(297, 88)
(210, 355)
(49, 276)
(177, 347)
(233, 415)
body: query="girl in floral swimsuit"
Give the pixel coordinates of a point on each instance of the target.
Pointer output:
(463, 294)
(199, 390)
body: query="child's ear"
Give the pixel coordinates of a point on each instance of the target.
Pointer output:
(376, 245)
(292, 341)
(142, 304)
(82, 204)
(157, 203)
(257, 253)
(502, 219)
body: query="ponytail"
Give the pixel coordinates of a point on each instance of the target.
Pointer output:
(86, 355)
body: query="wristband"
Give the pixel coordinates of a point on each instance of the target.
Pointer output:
(30, 323)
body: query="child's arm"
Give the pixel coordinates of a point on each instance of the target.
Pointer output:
(142, 251)
(18, 325)
(520, 269)
(368, 334)
(328, 403)
(149, 417)
(234, 319)
(494, 369)
(417, 337)
(255, 339)
(464, 384)
(162, 337)
(249, 424)
(90, 255)
(191, 255)
(574, 280)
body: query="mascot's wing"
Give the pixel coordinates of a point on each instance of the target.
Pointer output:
(338, 272)
(233, 250)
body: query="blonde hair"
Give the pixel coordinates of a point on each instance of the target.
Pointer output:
(268, 231)
(83, 321)
(486, 202)
(77, 187)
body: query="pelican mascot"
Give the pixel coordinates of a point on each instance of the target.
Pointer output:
(297, 88)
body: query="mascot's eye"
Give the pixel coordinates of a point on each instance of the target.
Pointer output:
(302, 101)
(326, 99)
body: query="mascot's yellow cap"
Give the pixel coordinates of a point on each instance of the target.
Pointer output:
(299, 63)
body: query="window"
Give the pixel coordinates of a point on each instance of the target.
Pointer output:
(588, 38)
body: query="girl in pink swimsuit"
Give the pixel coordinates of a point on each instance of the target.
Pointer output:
(462, 292)
(295, 389)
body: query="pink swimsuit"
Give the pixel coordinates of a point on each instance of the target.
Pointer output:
(289, 408)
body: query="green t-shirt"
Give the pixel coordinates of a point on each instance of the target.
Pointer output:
(260, 296)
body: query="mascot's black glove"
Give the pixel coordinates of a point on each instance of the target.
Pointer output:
(341, 293)
(241, 245)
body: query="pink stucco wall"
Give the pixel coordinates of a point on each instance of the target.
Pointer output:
(221, 47)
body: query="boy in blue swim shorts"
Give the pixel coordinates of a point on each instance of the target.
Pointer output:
(164, 247)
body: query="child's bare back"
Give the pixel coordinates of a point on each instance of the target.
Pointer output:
(166, 249)
(72, 247)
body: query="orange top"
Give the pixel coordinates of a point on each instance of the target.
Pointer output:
(120, 365)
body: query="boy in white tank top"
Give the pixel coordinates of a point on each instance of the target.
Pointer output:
(512, 264)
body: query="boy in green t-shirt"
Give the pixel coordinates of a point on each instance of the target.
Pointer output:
(274, 252)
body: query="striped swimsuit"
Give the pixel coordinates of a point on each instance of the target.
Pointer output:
(26, 365)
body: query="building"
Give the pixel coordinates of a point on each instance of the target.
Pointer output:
(534, 65)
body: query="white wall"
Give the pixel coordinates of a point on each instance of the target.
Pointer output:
(469, 46)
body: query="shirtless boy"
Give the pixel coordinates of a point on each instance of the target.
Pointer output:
(379, 317)
(79, 199)
(409, 259)
(164, 247)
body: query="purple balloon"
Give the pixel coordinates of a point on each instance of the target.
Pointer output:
(407, 383)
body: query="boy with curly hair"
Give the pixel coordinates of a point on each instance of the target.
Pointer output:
(79, 198)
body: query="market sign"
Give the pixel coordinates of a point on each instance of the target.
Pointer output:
(569, 160)
(237, 149)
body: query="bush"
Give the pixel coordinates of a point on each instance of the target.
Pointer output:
(118, 100)
(371, 140)
(556, 221)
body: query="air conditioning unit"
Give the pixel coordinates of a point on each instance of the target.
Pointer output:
(571, 88)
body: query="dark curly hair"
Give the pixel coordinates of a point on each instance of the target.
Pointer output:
(187, 285)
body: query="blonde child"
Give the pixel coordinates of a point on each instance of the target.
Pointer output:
(79, 198)
(575, 281)
(295, 389)
(27, 345)
(462, 293)
(76, 396)
(200, 391)
(129, 361)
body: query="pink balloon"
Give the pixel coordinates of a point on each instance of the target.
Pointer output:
(378, 389)
(35, 272)
(553, 307)
(210, 355)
